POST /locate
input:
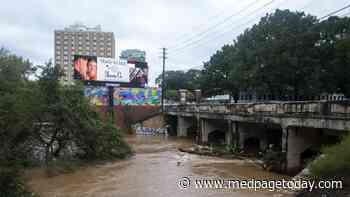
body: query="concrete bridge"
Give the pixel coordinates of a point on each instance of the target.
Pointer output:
(295, 128)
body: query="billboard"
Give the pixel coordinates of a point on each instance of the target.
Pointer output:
(137, 96)
(92, 68)
(138, 74)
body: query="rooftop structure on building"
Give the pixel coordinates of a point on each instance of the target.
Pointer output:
(82, 27)
(133, 55)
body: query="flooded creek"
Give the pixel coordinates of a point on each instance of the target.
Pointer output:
(153, 171)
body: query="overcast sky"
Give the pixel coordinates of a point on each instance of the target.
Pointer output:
(192, 30)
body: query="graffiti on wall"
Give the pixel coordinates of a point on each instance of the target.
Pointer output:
(98, 95)
(137, 96)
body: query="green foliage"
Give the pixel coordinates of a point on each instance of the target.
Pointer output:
(175, 80)
(232, 148)
(276, 56)
(172, 95)
(11, 185)
(46, 115)
(15, 118)
(73, 122)
(287, 54)
(101, 141)
(334, 161)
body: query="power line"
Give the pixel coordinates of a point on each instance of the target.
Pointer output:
(200, 39)
(219, 35)
(164, 57)
(219, 23)
(334, 12)
(184, 35)
(346, 14)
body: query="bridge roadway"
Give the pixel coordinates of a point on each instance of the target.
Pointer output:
(294, 127)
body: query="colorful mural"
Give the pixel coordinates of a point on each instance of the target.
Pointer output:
(98, 95)
(137, 96)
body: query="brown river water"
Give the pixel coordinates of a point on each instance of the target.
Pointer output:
(154, 171)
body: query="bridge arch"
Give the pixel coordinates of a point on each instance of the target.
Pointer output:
(216, 136)
(252, 145)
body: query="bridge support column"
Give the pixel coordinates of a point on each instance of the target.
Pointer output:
(229, 133)
(182, 126)
(296, 141)
(204, 130)
(241, 137)
(284, 139)
(207, 126)
(293, 152)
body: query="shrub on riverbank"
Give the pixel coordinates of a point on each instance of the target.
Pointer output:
(11, 185)
(334, 162)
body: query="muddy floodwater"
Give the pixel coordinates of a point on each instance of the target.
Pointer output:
(155, 170)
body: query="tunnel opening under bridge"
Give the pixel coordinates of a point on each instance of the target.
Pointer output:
(216, 137)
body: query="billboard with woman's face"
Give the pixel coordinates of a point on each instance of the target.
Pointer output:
(92, 68)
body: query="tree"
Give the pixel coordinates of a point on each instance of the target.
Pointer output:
(220, 74)
(282, 55)
(175, 80)
(44, 114)
(14, 116)
(334, 54)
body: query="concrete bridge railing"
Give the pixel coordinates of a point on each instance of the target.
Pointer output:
(335, 109)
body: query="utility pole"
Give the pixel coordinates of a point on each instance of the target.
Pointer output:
(164, 53)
